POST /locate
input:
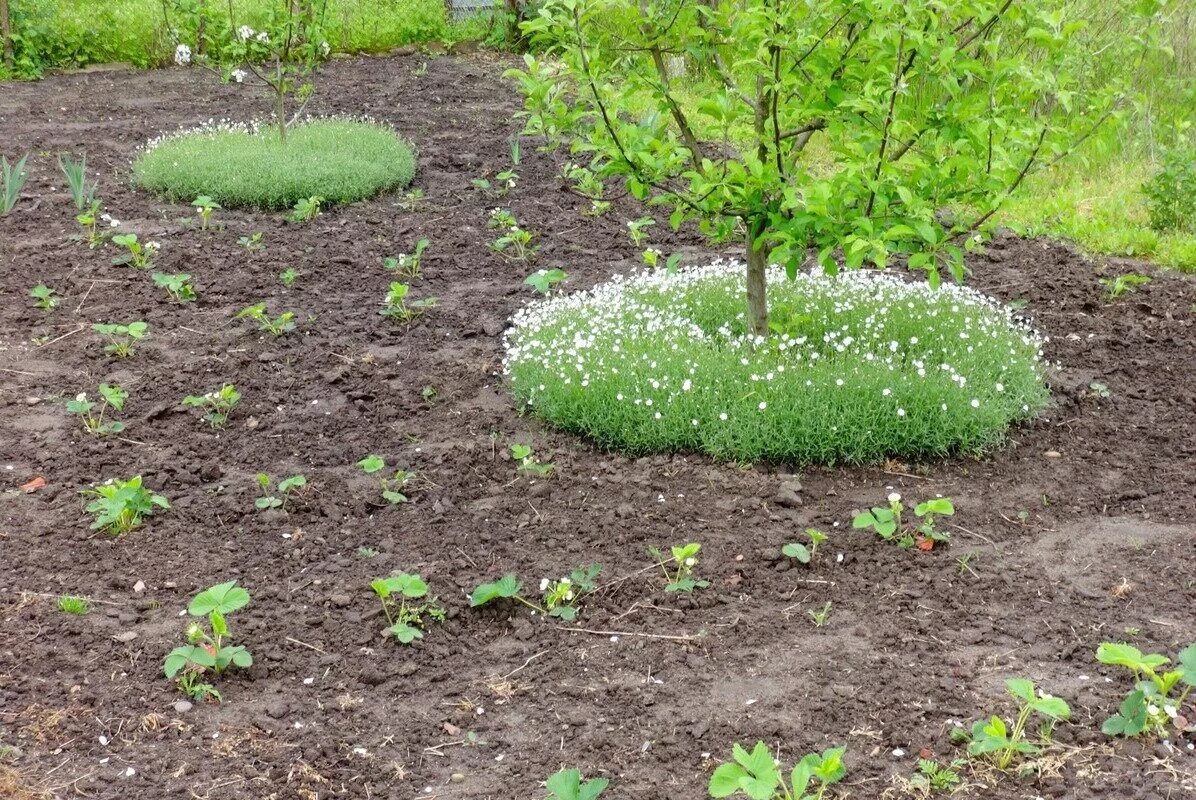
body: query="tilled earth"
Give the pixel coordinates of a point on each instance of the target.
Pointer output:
(1078, 531)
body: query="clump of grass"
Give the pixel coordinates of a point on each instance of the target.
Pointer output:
(74, 605)
(860, 367)
(340, 161)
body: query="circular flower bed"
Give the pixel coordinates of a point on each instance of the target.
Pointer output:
(338, 160)
(860, 367)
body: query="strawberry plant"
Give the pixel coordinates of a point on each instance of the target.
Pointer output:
(527, 462)
(799, 551)
(44, 297)
(560, 597)
(89, 219)
(516, 244)
(92, 414)
(204, 206)
(207, 649)
(307, 209)
(756, 775)
(121, 337)
(217, 405)
(253, 243)
(177, 286)
(887, 522)
(995, 738)
(285, 487)
(391, 486)
(407, 264)
(544, 279)
(136, 255)
(1153, 706)
(395, 305)
(1122, 284)
(684, 558)
(568, 785)
(404, 617)
(283, 323)
(120, 506)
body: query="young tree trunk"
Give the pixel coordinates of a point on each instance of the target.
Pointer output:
(201, 24)
(6, 34)
(757, 295)
(280, 111)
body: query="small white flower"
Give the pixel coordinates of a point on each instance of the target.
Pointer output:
(762, 406)
(1152, 709)
(975, 403)
(543, 584)
(182, 55)
(244, 33)
(723, 416)
(894, 497)
(689, 562)
(887, 392)
(263, 37)
(1000, 387)
(901, 412)
(238, 75)
(81, 396)
(325, 49)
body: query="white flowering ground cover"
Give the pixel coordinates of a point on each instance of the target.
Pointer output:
(861, 366)
(245, 165)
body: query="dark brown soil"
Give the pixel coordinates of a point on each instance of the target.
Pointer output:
(1098, 494)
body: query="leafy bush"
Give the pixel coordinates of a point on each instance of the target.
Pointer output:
(238, 166)
(858, 367)
(835, 126)
(1171, 193)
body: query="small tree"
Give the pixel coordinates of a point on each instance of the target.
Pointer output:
(843, 126)
(283, 56)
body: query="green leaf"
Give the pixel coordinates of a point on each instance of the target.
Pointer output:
(1124, 655)
(267, 502)
(187, 655)
(371, 464)
(940, 506)
(798, 551)
(293, 482)
(506, 586)
(1187, 664)
(404, 633)
(1131, 716)
(224, 597)
(725, 781)
(1021, 689)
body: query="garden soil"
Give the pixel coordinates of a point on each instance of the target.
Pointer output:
(1079, 530)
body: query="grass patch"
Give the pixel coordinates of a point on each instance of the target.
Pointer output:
(1102, 212)
(340, 161)
(74, 33)
(862, 367)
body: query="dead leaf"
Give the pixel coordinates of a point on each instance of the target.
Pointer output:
(733, 580)
(33, 485)
(451, 729)
(1123, 589)
(925, 544)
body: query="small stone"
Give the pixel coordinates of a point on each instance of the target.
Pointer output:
(1053, 454)
(182, 706)
(277, 710)
(457, 777)
(125, 636)
(32, 401)
(341, 600)
(139, 587)
(788, 494)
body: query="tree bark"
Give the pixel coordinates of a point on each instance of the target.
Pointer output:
(757, 293)
(201, 24)
(6, 34)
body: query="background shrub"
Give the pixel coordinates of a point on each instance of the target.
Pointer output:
(859, 367)
(338, 160)
(1171, 193)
